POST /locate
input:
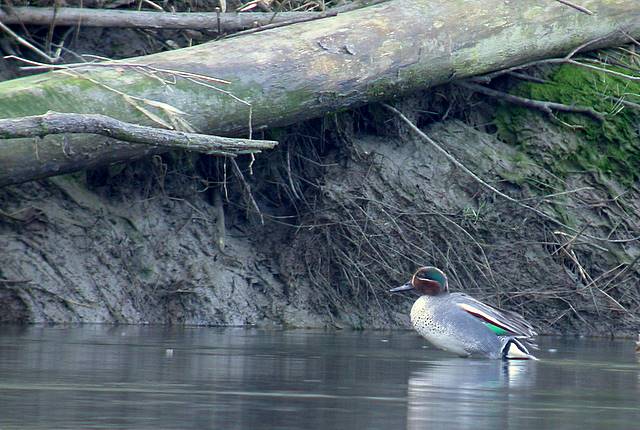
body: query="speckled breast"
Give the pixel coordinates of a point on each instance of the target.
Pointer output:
(426, 321)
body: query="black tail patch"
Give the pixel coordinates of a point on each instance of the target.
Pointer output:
(513, 349)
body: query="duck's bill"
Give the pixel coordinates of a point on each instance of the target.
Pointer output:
(405, 287)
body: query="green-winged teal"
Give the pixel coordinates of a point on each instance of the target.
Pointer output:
(463, 325)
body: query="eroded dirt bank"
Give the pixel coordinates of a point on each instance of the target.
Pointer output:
(352, 204)
(70, 254)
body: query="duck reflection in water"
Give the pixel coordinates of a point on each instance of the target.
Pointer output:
(459, 393)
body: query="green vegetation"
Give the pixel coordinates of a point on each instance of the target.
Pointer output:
(608, 149)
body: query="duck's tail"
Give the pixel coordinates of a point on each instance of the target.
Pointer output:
(514, 349)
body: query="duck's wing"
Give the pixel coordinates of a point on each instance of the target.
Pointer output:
(501, 322)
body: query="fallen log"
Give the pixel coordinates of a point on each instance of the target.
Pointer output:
(219, 22)
(292, 73)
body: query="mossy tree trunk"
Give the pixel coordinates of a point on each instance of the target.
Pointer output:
(299, 71)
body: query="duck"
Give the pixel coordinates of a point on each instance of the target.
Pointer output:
(460, 324)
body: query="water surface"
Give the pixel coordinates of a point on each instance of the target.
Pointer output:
(208, 378)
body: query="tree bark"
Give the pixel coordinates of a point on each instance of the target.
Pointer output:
(301, 71)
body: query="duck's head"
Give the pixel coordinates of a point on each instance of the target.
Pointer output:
(429, 281)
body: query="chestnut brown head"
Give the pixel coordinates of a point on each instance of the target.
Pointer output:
(428, 280)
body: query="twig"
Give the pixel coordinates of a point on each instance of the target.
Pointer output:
(627, 268)
(24, 42)
(490, 76)
(624, 102)
(114, 65)
(24, 216)
(493, 189)
(148, 70)
(570, 242)
(633, 40)
(584, 45)
(14, 281)
(484, 256)
(247, 188)
(567, 59)
(220, 224)
(604, 70)
(60, 123)
(598, 247)
(546, 107)
(151, 4)
(453, 159)
(52, 26)
(291, 184)
(561, 193)
(576, 7)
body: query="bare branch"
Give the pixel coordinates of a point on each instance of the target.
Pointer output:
(24, 42)
(567, 59)
(247, 188)
(544, 106)
(576, 6)
(60, 123)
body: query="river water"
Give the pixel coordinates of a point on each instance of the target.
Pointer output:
(129, 377)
